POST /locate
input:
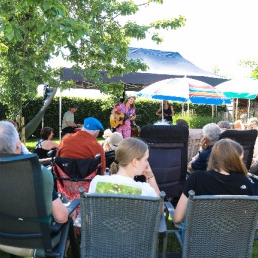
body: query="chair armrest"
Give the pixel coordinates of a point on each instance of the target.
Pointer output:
(71, 206)
(169, 209)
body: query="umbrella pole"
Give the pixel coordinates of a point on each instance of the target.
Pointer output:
(162, 112)
(236, 107)
(248, 109)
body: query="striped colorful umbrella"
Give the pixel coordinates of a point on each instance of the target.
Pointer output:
(183, 90)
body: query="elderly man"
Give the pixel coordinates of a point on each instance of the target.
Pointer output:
(10, 143)
(211, 134)
(83, 144)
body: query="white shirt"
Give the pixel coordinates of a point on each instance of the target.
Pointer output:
(146, 189)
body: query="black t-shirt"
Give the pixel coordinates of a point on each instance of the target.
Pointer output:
(214, 183)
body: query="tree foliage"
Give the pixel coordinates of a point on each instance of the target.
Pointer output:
(86, 32)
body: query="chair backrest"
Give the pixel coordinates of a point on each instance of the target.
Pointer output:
(25, 203)
(110, 157)
(168, 147)
(116, 225)
(246, 138)
(71, 174)
(194, 141)
(220, 226)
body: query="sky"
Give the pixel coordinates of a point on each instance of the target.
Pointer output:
(217, 33)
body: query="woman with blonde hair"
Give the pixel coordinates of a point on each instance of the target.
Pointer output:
(226, 175)
(131, 159)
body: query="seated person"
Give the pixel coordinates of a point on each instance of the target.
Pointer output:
(112, 142)
(224, 125)
(106, 134)
(68, 124)
(45, 144)
(10, 143)
(182, 122)
(83, 144)
(252, 123)
(131, 159)
(226, 175)
(211, 134)
(238, 125)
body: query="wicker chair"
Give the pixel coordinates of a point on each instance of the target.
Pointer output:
(115, 225)
(218, 226)
(168, 146)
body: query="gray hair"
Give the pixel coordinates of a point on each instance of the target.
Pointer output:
(92, 132)
(224, 124)
(8, 137)
(212, 132)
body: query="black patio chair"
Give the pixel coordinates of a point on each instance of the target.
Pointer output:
(168, 149)
(26, 225)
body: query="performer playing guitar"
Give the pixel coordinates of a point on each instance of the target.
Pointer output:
(122, 115)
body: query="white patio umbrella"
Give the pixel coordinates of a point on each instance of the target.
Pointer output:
(242, 88)
(184, 90)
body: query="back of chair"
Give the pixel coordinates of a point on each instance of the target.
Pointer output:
(220, 226)
(25, 216)
(71, 174)
(168, 146)
(110, 157)
(119, 225)
(246, 138)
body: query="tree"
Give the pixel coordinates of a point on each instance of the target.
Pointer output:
(32, 31)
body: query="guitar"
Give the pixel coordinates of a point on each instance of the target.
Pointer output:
(115, 122)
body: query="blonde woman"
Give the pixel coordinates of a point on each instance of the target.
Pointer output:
(131, 159)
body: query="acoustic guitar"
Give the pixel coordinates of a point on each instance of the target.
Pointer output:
(115, 122)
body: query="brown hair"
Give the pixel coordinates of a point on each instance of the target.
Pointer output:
(225, 155)
(45, 132)
(127, 150)
(132, 105)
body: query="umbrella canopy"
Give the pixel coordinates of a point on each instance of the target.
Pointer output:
(183, 90)
(244, 88)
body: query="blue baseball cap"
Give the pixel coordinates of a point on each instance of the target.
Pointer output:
(91, 123)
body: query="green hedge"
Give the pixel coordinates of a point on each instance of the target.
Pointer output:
(101, 108)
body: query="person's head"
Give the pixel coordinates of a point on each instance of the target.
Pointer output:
(130, 101)
(165, 102)
(226, 155)
(92, 125)
(252, 123)
(182, 122)
(73, 108)
(224, 125)
(9, 138)
(131, 151)
(239, 125)
(114, 140)
(211, 131)
(46, 133)
(107, 133)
